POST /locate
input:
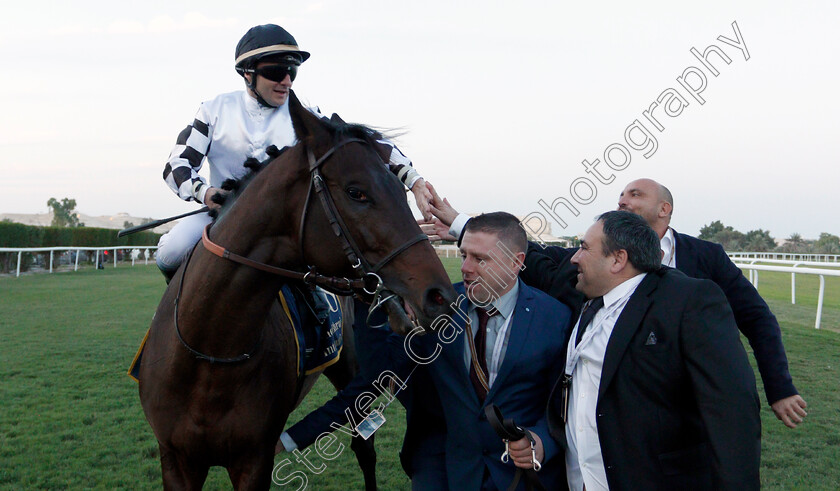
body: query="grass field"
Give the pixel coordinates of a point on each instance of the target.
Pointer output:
(71, 418)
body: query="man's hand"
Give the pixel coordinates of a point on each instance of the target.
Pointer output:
(790, 410)
(520, 452)
(441, 207)
(436, 230)
(423, 198)
(208, 198)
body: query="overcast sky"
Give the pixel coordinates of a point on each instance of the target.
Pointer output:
(502, 101)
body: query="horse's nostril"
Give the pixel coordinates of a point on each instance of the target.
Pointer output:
(437, 297)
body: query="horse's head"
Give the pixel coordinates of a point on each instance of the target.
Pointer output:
(372, 223)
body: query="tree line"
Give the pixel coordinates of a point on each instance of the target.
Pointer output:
(761, 241)
(64, 215)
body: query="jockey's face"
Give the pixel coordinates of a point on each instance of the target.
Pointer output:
(275, 93)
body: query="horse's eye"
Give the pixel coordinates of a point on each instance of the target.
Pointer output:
(357, 195)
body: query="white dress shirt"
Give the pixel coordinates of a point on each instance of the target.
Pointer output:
(669, 249)
(584, 463)
(458, 224)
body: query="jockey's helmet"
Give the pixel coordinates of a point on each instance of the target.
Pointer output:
(264, 41)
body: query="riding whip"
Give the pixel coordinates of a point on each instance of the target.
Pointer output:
(156, 223)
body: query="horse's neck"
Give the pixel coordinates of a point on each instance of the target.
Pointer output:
(224, 304)
(231, 300)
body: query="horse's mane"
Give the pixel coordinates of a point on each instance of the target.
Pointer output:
(335, 126)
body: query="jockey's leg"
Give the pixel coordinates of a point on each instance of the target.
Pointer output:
(174, 245)
(321, 305)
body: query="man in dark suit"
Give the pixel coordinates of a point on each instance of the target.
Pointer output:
(499, 347)
(701, 259)
(657, 392)
(694, 257)
(524, 331)
(422, 453)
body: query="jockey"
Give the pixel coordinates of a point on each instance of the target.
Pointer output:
(239, 125)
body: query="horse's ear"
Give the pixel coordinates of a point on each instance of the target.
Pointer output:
(306, 125)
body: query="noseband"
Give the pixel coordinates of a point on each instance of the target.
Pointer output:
(368, 281)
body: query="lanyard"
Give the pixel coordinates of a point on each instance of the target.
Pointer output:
(487, 379)
(400, 387)
(573, 355)
(375, 419)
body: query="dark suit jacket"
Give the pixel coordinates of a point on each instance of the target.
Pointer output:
(681, 412)
(521, 389)
(702, 259)
(425, 426)
(549, 270)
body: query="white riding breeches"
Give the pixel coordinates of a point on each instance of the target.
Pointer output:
(175, 244)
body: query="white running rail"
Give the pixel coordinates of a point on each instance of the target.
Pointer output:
(793, 270)
(52, 251)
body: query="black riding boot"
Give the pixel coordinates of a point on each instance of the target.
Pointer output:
(320, 305)
(168, 274)
(315, 303)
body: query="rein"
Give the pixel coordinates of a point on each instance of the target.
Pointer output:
(509, 431)
(368, 281)
(199, 354)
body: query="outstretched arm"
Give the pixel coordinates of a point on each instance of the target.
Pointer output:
(759, 325)
(447, 223)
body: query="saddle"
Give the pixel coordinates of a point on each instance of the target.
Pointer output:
(316, 317)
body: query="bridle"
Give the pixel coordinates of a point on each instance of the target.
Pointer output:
(368, 280)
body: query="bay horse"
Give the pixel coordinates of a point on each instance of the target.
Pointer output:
(218, 376)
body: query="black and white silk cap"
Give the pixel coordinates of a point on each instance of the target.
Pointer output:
(266, 40)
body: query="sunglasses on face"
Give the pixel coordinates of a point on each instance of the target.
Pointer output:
(277, 73)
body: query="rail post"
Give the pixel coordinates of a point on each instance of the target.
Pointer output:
(820, 301)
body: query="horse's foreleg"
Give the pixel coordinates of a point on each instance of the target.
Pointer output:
(178, 474)
(366, 455)
(253, 471)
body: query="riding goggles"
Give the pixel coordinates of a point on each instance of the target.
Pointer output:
(276, 73)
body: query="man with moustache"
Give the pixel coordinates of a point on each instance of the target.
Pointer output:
(657, 392)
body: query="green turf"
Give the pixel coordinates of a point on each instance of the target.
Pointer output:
(71, 418)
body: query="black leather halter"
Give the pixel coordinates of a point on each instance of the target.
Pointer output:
(368, 280)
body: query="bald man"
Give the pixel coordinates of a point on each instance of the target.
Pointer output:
(702, 259)
(549, 269)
